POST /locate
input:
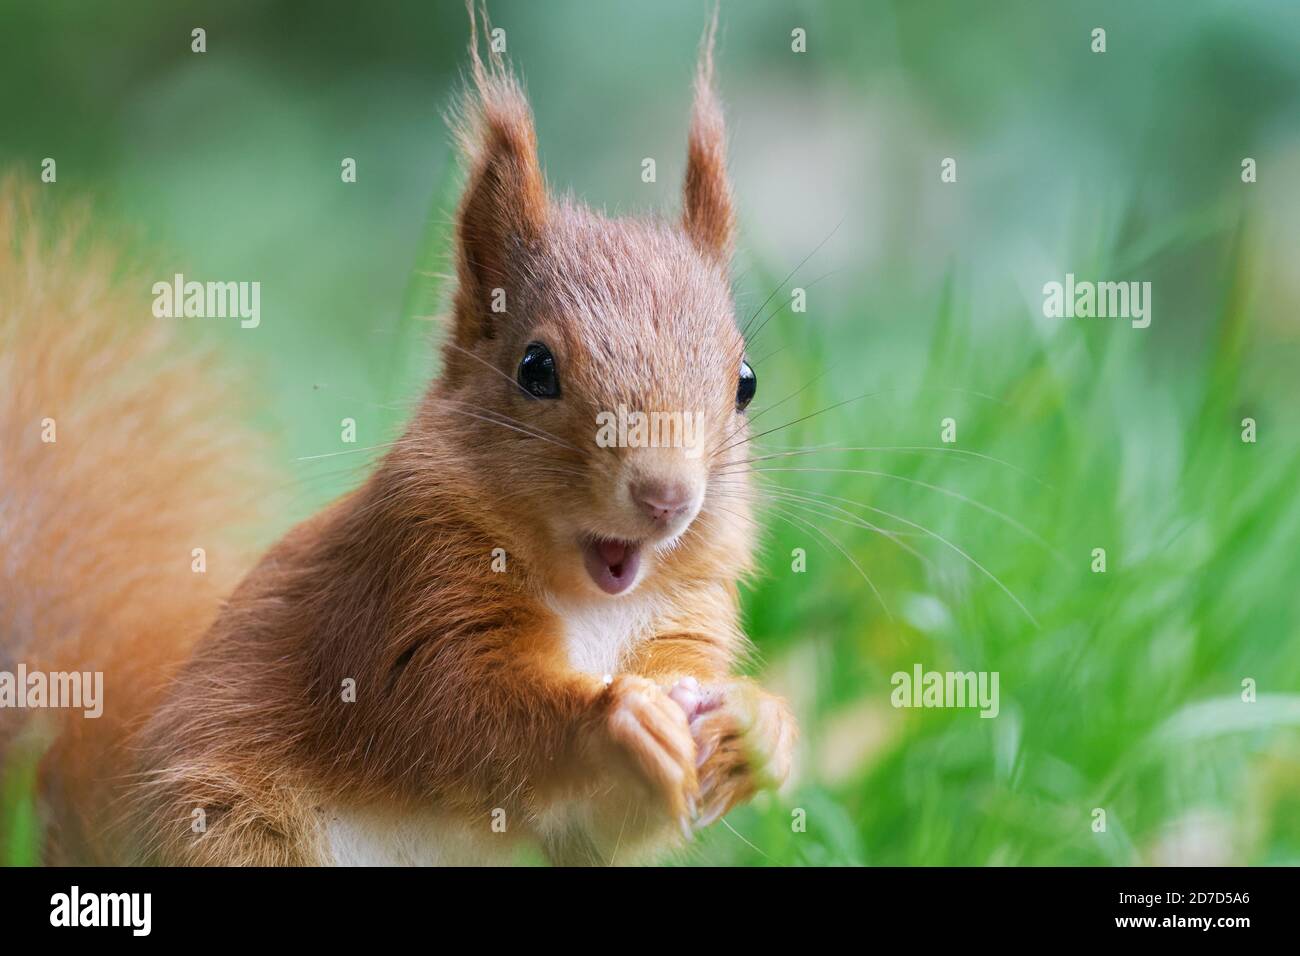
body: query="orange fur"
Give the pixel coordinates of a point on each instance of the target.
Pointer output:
(708, 215)
(468, 697)
(96, 528)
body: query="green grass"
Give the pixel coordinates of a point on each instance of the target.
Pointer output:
(1127, 695)
(20, 828)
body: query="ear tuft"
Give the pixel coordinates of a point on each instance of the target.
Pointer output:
(707, 214)
(504, 203)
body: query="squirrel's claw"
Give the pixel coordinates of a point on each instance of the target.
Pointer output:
(743, 744)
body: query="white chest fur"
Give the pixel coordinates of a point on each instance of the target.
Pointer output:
(600, 633)
(373, 836)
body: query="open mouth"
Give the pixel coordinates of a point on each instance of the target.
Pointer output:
(612, 563)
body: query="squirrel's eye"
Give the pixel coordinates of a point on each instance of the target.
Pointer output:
(746, 387)
(537, 375)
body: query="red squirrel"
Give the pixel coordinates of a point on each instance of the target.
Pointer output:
(511, 637)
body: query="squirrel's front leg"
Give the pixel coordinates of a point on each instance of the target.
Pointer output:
(744, 739)
(651, 739)
(636, 783)
(522, 727)
(744, 736)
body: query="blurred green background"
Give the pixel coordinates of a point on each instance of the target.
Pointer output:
(1126, 695)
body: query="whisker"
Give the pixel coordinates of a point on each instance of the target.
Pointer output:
(829, 408)
(847, 401)
(1007, 519)
(767, 355)
(513, 383)
(751, 338)
(352, 451)
(748, 519)
(749, 420)
(486, 364)
(816, 249)
(938, 537)
(506, 421)
(807, 504)
(814, 449)
(791, 518)
(723, 821)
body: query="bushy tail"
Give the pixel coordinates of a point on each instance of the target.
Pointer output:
(121, 453)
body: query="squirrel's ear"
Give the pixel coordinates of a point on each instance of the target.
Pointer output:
(707, 215)
(504, 204)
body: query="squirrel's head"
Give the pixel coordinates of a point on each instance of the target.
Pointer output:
(595, 378)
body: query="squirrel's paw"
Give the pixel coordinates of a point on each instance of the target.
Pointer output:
(651, 732)
(744, 739)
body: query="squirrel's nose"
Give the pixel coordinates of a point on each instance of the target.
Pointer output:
(663, 500)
